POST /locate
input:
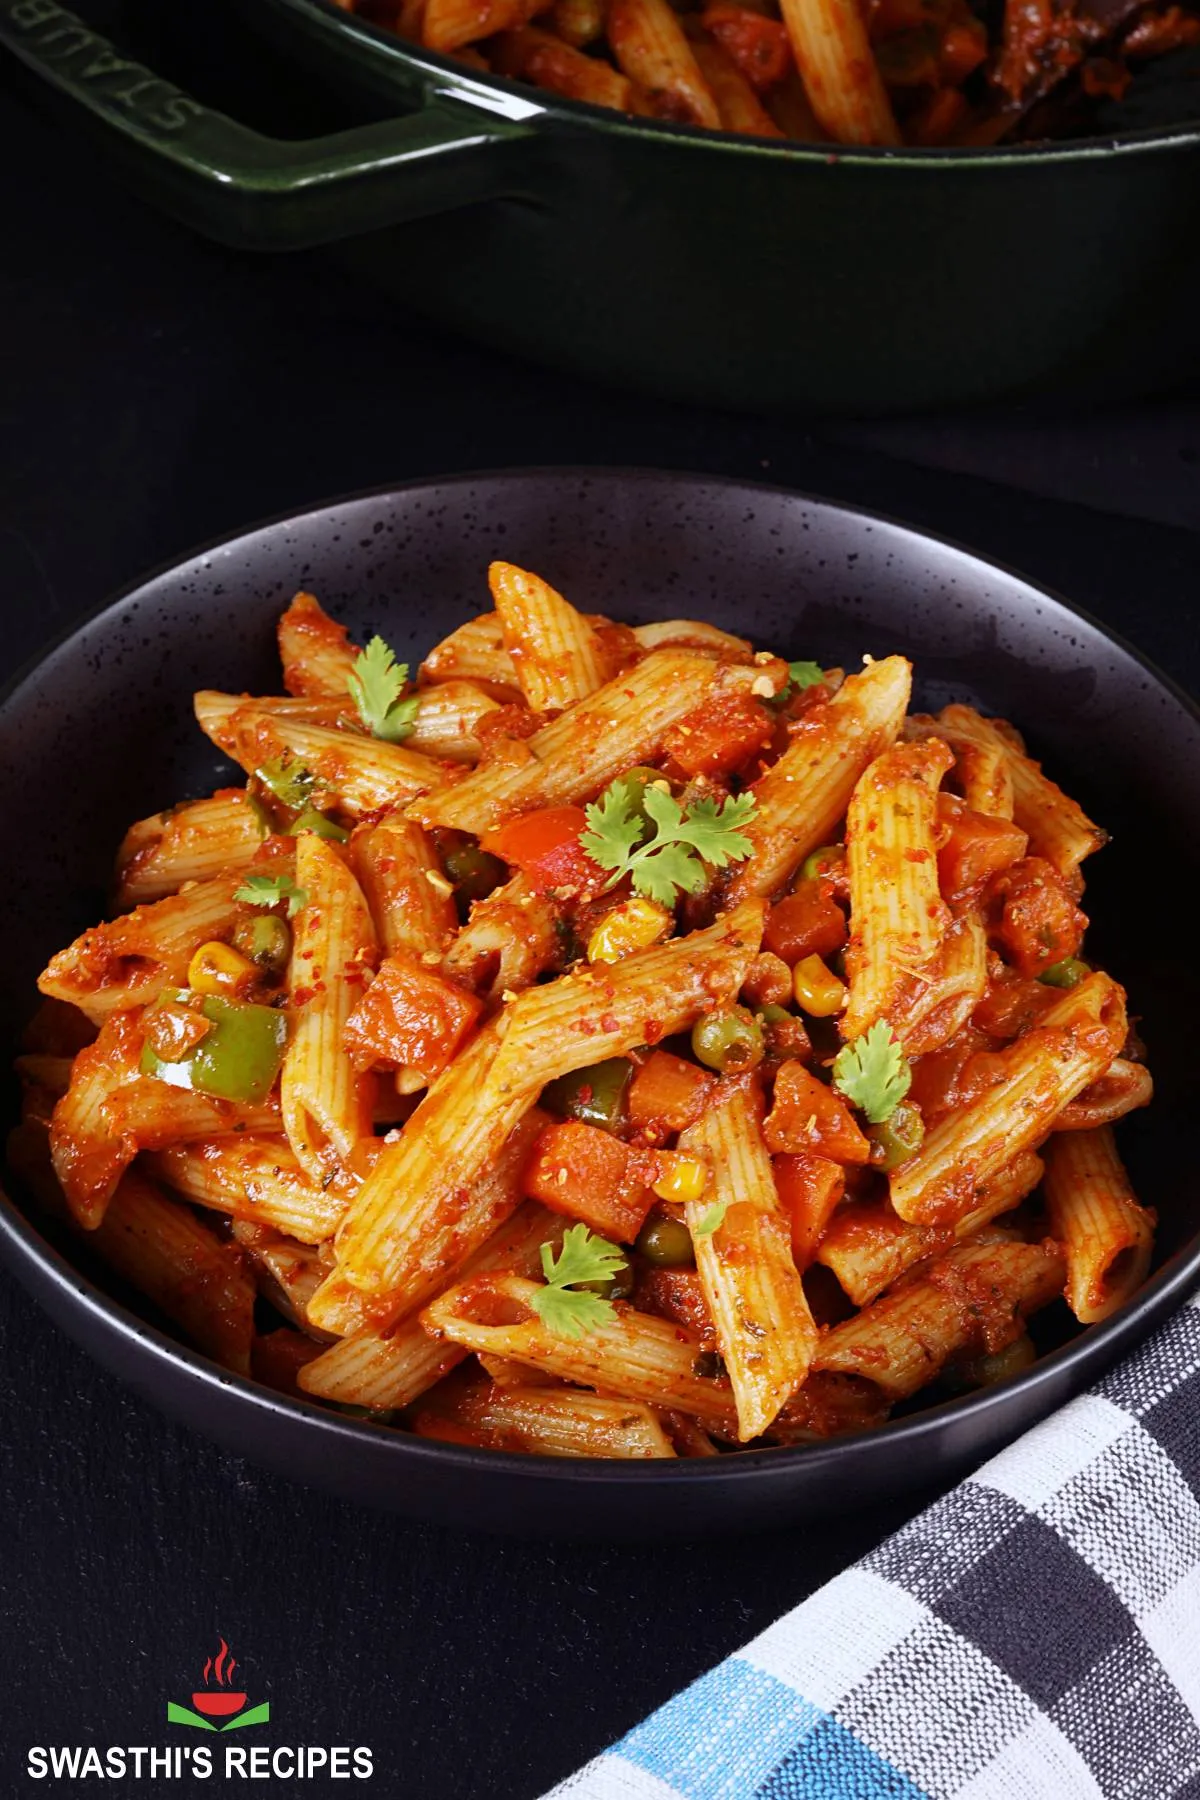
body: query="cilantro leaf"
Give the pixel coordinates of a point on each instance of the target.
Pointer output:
(872, 1072)
(672, 860)
(805, 674)
(561, 1306)
(615, 825)
(272, 890)
(569, 1312)
(376, 684)
(713, 1219)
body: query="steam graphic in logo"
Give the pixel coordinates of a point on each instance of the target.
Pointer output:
(223, 1701)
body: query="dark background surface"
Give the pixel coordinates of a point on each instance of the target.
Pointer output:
(154, 392)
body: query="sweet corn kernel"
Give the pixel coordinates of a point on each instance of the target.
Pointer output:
(682, 1180)
(634, 925)
(817, 990)
(218, 968)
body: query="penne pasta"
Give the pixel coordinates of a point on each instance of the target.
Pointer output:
(897, 916)
(1106, 1235)
(434, 1228)
(449, 24)
(869, 1246)
(549, 62)
(631, 1355)
(975, 1297)
(1123, 1088)
(385, 1369)
(474, 652)
(1073, 1044)
(932, 1004)
(694, 634)
(362, 774)
(129, 961)
(155, 1115)
(196, 1279)
(837, 65)
(316, 652)
(607, 1010)
(447, 721)
(577, 754)
(1058, 828)
(258, 1179)
(555, 1422)
(738, 105)
(89, 1157)
(765, 1330)
(558, 658)
(286, 1273)
(802, 797)
(649, 45)
(509, 940)
(405, 887)
(326, 1104)
(194, 842)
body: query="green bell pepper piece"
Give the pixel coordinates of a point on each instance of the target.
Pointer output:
(238, 1059)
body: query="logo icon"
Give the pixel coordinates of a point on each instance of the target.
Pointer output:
(220, 1702)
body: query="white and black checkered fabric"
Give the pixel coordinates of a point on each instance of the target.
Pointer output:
(1035, 1635)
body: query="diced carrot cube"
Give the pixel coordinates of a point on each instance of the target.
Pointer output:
(409, 1018)
(589, 1174)
(809, 1119)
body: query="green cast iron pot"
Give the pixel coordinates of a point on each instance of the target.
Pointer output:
(694, 264)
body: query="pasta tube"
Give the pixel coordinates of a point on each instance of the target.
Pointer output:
(978, 1296)
(868, 1246)
(196, 842)
(253, 1178)
(764, 1328)
(366, 775)
(555, 1422)
(633, 1355)
(804, 795)
(385, 1369)
(316, 652)
(897, 916)
(581, 751)
(1106, 1234)
(558, 657)
(326, 1106)
(1074, 1043)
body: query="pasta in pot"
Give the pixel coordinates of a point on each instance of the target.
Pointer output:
(616, 1043)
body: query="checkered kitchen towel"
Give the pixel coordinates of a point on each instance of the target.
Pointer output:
(1033, 1636)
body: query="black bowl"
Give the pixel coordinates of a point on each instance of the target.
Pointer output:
(100, 732)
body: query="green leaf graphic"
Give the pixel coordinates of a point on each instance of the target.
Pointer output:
(258, 1715)
(179, 1715)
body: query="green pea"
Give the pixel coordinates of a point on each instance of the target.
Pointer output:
(829, 862)
(897, 1138)
(728, 1041)
(474, 872)
(667, 1243)
(1066, 974)
(596, 1095)
(618, 1286)
(266, 939)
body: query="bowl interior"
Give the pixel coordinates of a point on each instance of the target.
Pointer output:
(102, 732)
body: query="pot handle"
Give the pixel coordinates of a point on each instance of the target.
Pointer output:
(262, 193)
